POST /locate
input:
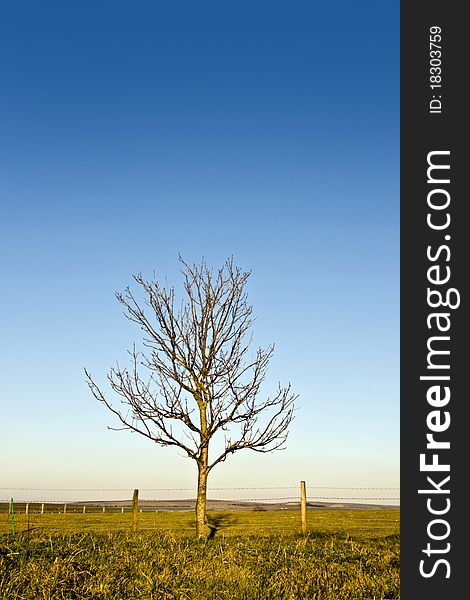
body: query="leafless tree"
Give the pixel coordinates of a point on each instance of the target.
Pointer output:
(199, 379)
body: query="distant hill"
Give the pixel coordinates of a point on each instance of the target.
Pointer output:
(236, 506)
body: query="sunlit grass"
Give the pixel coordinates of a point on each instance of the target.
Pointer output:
(357, 522)
(347, 555)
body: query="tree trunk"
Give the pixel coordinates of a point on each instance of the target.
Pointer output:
(202, 529)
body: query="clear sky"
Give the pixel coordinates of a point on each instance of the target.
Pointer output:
(134, 131)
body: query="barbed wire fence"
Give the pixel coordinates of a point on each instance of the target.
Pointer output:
(28, 503)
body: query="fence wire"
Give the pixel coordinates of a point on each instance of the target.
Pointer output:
(74, 496)
(164, 510)
(273, 487)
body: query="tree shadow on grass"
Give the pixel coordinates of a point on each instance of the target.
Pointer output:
(217, 521)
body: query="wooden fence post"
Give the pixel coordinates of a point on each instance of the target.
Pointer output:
(303, 506)
(26, 508)
(84, 508)
(135, 510)
(65, 508)
(42, 508)
(12, 517)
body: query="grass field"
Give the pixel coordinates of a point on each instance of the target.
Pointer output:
(346, 555)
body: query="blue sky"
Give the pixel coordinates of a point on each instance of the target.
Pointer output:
(132, 132)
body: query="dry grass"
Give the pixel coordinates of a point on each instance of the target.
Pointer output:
(347, 555)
